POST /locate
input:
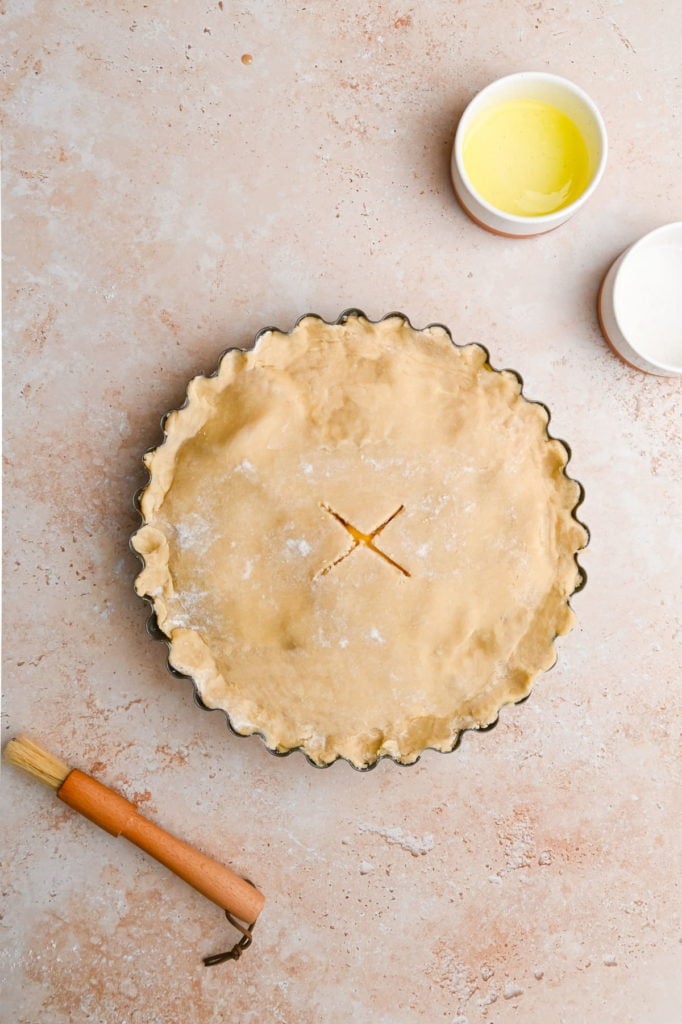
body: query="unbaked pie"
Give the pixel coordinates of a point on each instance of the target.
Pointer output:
(359, 539)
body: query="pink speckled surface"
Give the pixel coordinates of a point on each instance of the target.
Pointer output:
(162, 200)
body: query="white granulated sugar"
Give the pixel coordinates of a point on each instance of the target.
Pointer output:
(343, 642)
(375, 635)
(307, 468)
(301, 547)
(248, 569)
(246, 467)
(423, 550)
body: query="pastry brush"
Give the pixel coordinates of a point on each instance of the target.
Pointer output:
(116, 815)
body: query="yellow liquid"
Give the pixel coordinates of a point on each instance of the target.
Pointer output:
(526, 157)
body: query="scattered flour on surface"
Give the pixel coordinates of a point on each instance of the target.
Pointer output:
(516, 837)
(301, 547)
(189, 603)
(415, 845)
(193, 533)
(321, 638)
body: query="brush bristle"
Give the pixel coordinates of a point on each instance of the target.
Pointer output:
(25, 754)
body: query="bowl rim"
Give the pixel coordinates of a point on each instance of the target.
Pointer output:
(645, 241)
(544, 220)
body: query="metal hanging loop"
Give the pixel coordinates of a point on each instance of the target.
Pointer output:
(239, 947)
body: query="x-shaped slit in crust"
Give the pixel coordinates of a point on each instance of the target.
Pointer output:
(358, 538)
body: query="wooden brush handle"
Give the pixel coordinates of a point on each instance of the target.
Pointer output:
(118, 816)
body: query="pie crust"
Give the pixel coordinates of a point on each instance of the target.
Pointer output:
(359, 539)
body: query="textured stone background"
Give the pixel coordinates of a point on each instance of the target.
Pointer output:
(164, 199)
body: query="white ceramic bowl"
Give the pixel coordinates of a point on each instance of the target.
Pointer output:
(640, 303)
(529, 85)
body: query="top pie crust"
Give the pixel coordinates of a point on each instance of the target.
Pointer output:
(359, 539)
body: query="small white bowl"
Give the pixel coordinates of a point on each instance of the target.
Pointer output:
(640, 303)
(560, 93)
